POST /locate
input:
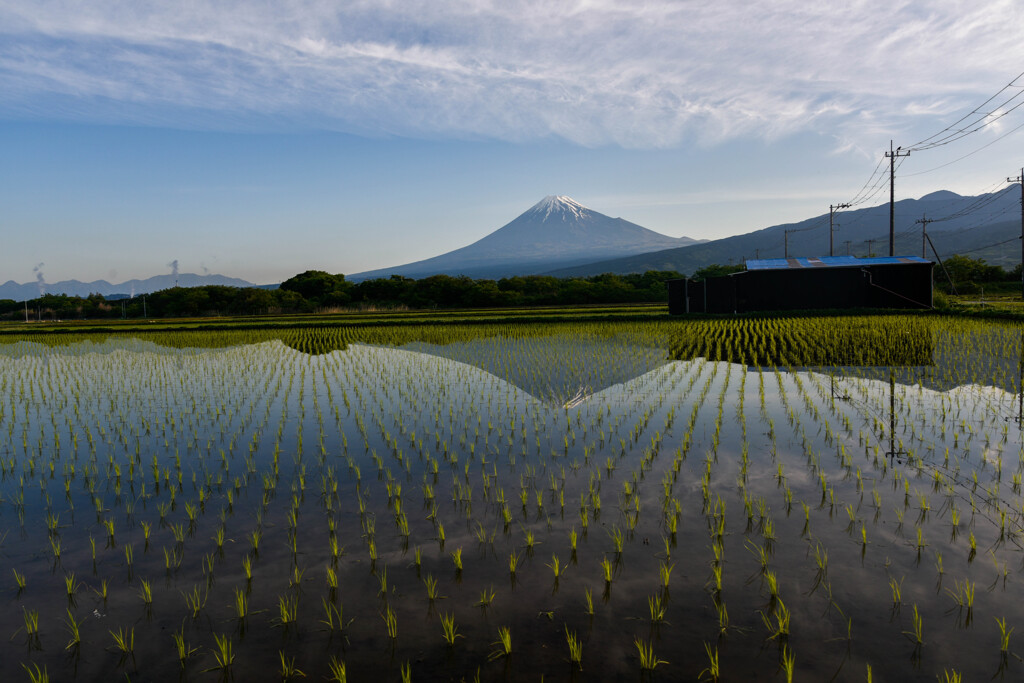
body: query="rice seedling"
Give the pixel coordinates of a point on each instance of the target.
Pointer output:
(288, 668)
(146, 592)
(648, 660)
(390, 622)
(287, 610)
(916, 634)
(1004, 635)
(656, 606)
(486, 597)
(788, 663)
(504, 643)
(575, 648)
(449, 630)
(606, 569)
(124, 640)
(35, 674)
(71, 586)
(223, 653)
(712, 670)
(74, 631)
(555, 566)
(590, 600)
(897, 591)
(337, 669)
(31, 624)
(777, 622)
(19, 579)
(195, 600)
(513, 562)
(431, 583)
(241, 604)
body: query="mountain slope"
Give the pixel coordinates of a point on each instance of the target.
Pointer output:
(555, 232)
(961, 224)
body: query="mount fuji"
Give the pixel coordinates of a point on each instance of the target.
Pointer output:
(557, 232)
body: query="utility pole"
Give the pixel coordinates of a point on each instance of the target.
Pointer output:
(1020, 179)
(785, 243)
(891, 155)
(831, 228)
(870, 251)
(847, 243)
(924, 221)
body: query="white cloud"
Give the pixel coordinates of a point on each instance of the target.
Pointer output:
(631, 73)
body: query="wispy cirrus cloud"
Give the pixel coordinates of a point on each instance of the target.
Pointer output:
(598, 72)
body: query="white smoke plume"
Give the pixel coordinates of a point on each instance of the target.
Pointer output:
(40, 280)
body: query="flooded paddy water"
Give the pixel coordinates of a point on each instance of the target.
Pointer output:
(808, 499)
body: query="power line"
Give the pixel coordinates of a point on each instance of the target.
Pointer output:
(950, 163)
(974, 120)
(978, 204)
(989, 246)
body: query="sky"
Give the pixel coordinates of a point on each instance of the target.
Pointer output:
(261, 139)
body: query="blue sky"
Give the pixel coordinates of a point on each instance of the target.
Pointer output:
(259, 139)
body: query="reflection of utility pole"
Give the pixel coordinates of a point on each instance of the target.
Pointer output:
(1020, 385)
(891, 155)
(831, 227)
(841, 397)
(924, 221)
(892, 415)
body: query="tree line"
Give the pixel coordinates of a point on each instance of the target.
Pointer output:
(318, 291)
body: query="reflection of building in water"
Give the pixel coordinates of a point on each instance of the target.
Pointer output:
(860, 342)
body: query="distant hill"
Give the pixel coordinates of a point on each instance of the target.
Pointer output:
(961, 225)
(556, 232)
(32, 290)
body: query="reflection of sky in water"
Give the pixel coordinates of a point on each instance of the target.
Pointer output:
(489, 414)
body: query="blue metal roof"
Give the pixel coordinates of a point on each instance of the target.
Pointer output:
(831, 262)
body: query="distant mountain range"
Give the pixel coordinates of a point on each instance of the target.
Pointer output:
(984, 226)
(560, 237)
(557, 232)
(32, 290)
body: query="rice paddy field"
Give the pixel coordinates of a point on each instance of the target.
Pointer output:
(739, 500)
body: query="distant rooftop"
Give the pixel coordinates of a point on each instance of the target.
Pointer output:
(830, 262)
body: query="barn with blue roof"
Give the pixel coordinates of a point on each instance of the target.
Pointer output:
(828, 282)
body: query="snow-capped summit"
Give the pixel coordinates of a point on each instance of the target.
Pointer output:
(561, 206)
(555, 232)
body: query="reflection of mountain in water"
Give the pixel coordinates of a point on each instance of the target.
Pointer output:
(559, 369)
